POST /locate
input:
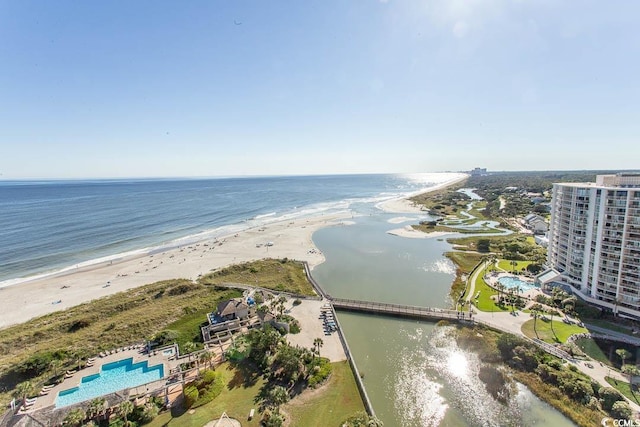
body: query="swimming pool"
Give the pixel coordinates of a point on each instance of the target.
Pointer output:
(112, 377)
(510, 282)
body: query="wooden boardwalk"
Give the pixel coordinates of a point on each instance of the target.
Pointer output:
(399, 310)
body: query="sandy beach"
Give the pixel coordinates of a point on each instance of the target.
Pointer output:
(291, 239)
(404, 205)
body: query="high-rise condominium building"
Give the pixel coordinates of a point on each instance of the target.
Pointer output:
(594, 240)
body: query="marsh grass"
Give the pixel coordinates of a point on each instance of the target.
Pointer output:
(276, 274)
(129, 317)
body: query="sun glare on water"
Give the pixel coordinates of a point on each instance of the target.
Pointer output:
(457, 365)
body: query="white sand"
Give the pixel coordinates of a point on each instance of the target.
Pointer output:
(400, 220)
(291, 239)
(412, 233)
(403, 205)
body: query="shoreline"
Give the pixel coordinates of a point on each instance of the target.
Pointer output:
(404, 205)
(58, 291)
(196, 255)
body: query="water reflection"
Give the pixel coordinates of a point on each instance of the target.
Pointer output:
(457, 364)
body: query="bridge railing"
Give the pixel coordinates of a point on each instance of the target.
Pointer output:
(400, 309)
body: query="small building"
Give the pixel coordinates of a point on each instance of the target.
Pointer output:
(229, 317)
(232, 309)
(478, 172)
(535, 223)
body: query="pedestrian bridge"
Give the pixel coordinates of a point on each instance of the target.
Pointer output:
(399, 310)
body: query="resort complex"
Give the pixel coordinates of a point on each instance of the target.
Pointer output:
(594, 241)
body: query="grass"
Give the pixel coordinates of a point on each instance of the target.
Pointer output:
(577, 412)
(485, 303)
(334, 402)
(624, 388)
(561, 329)
(188, 327)
(113, 321)
(505, 264)
(278, 275)
(610, 325)
(327, 406)
(591, 348)
(465, 262)
(236, 400)
(132, 316)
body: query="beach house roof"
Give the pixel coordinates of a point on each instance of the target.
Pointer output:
(231, 307)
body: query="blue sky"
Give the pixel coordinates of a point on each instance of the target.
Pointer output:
(139, 89)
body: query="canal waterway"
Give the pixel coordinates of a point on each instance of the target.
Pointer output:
(413, 371)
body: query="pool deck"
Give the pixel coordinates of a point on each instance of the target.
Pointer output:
(156, 358)
(529, 294)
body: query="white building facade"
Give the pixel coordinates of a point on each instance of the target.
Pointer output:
(594, 240)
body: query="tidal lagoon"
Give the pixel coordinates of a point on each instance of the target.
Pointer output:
(413, 371)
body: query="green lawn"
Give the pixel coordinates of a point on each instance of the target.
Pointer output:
(611, 326)
(338, 400)
(188, 327)
(505, 264)
(561, 329)
(485, 303)
(328, 406)
(236, 400)
(624, 388)
(591, 348)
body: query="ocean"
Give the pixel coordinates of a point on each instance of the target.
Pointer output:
(49, 226)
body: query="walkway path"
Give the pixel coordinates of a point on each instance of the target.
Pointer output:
(507, 322)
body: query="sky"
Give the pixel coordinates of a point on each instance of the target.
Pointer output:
(231, 88)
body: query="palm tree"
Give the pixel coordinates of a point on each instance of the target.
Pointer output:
(74, 418)
(278, 396)
(281, 300)
(124, 410)
(631, 370)
(551, 324)
(205, 358)
(499, 287)
(54, 365)
(24, 389)
(189, 347)
(97, 407)
(317, 345)
(624, 354)
(534, 313)
(514, 264)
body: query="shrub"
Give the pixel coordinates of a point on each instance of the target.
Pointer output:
(180, 289)
(297, 301)
(209, 387)
(191, 395)
(165, 337)
(39, 363)
(320, 371)
(609, 396)
(79, 324)
(621, 410)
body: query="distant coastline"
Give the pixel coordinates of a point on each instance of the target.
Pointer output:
(187, 257)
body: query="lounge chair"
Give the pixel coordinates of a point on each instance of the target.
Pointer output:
(91, 359)
(48, 386)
